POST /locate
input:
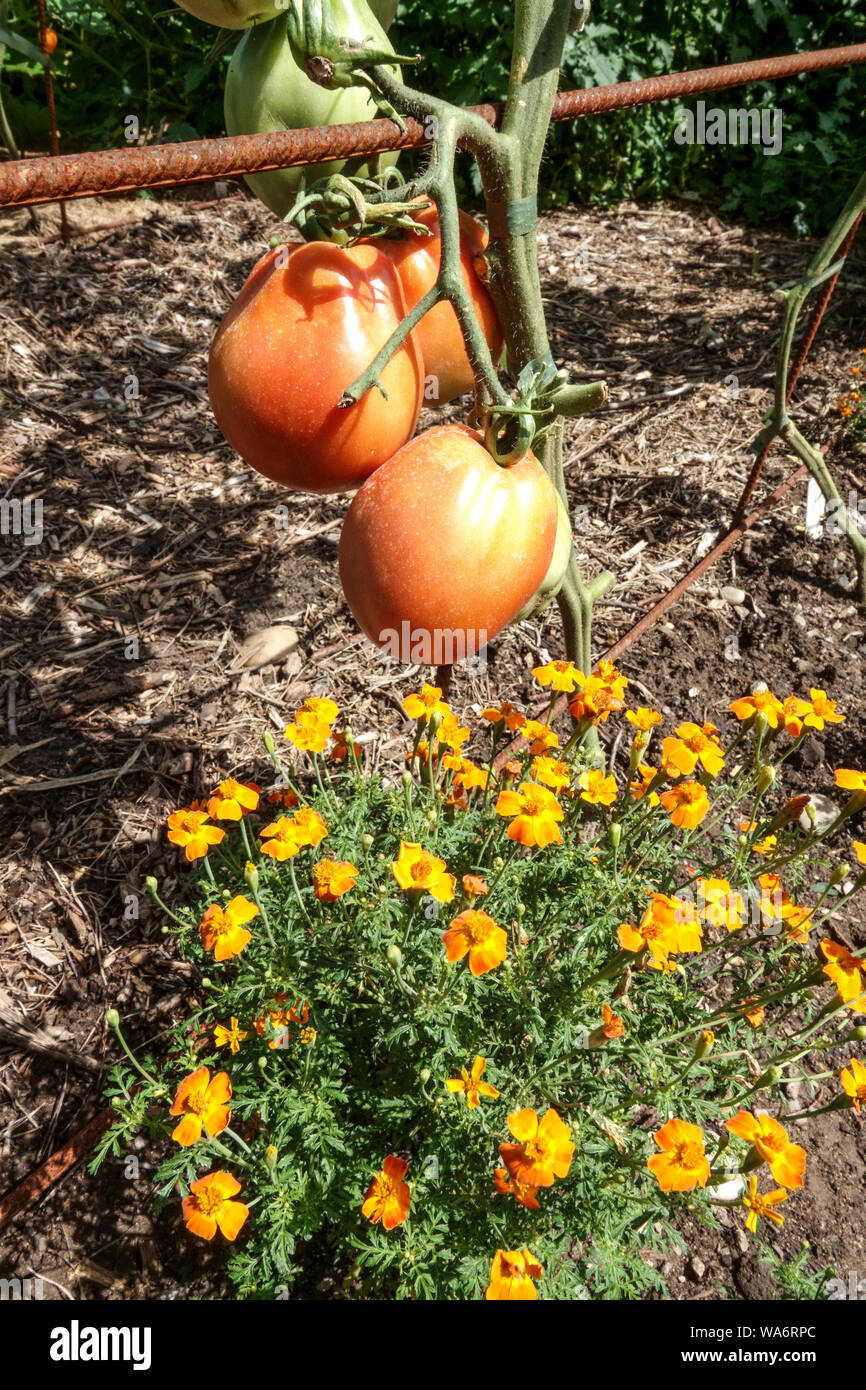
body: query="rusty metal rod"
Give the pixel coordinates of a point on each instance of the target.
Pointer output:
(42, 180)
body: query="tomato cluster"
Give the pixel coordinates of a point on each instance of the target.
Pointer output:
(441, 545)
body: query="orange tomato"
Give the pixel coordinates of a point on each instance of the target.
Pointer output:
(438, 335)
(49, 41)
(441, 547)
(305, 325)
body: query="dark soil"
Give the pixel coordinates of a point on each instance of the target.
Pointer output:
(155, 530)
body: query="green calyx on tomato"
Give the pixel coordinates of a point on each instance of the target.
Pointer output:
(267, 89)
(441, 547)
(307, 322)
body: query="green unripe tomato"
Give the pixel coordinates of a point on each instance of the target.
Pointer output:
(267, 89)
(234, 14)
(552, 582)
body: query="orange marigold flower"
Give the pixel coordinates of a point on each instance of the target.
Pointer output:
(201, 1101)
(753, 1011)
(859, 847)
(308, 827)
(284, 797)
(682, 1164)
(475, 934)
(559, 675)
(612, 1028)
(596, 788)
(308, 732)
(282, 842)
(844, 969)
(473, 887)
(853, 1078)
(719, 905)
(511, 1276)
(222, 930)
(452, 733)
(551, 773)
(232, 800)
(504, 714)
(230, 1037)
(763, 1205)
(687, 803)
(534, 812)
(851, 780)
(793, 711)
(668, 925)
(759, 702)
(470, 1082)
(466, 773)
(702, 740)
(387, 1198)
(596, 700)
(427, 703)
(509, 1187)
(417, 871)
(541, 736)
(341, 747)
(543, 1150)
(190, 830)
(209, 1206)
(677, 759)
(641, 785)
(331, 879)
(787, 1161)
(823, 711)
(644, 719)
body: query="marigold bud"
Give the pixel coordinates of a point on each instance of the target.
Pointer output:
(761, 726)
(498, 864)
(151, 885)
(268, 741)
(394, 956)
(771, 1077)
(704, 1043)
(251, 875)
(614, 834)
(406, 779)
(839, 874)
(857, 1034)
(434, 726)
(263, 1063)
(521, 909)
(271, 1155)
(367, 841)
(425, 1075)
(207, 982)
(766, 778)
(112, 1018)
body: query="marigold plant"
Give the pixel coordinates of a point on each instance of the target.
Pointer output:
(437, 1098)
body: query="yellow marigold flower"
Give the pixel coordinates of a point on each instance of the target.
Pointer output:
(209, 1206)
(763, 1205)
(767, 846)
(687, 804)
(511, 1276)
(668, 926)
(308, 1036)
(222, 930)
(596, 700)
(452, 733)
(759, 702)
(308, 732)
(677, 759)
(190, 830)
(417, 871)
(612, 1028)
(535, 812)
(232, 800)
(230, 1037)
(331, 879)
(794, 710)
(787, 1161)
(543, 1150)
(859, 847)
(551, 773)
(682, 1164)
(596, 788)
(641, 785)
(702, 740)
(853, 1078)
(844, 969)
(850, 780)
(201, 1102)
(475, 934)
(282, 843)
(509, 1187)
(308, 827)
(719, 905)
(324, 710)
(823, 711)
(541, 736)
(644, 719)
(559, 675)
(798, 921)
(427, 703)
(470, 1082)
(504, 714)
(387, 1198)
(466, 773)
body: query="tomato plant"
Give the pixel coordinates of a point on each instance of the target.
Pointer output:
(304, 324)
(441, 540)
(232, 14)
(438, 335)
(49, 41)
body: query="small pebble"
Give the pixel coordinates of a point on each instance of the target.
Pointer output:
(733, 595)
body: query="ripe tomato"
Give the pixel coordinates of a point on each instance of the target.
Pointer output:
(49, 41)
(438, 334)
(305, 325)
(441, 547)
(267, 89)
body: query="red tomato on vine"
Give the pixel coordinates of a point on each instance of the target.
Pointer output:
(49, 41)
